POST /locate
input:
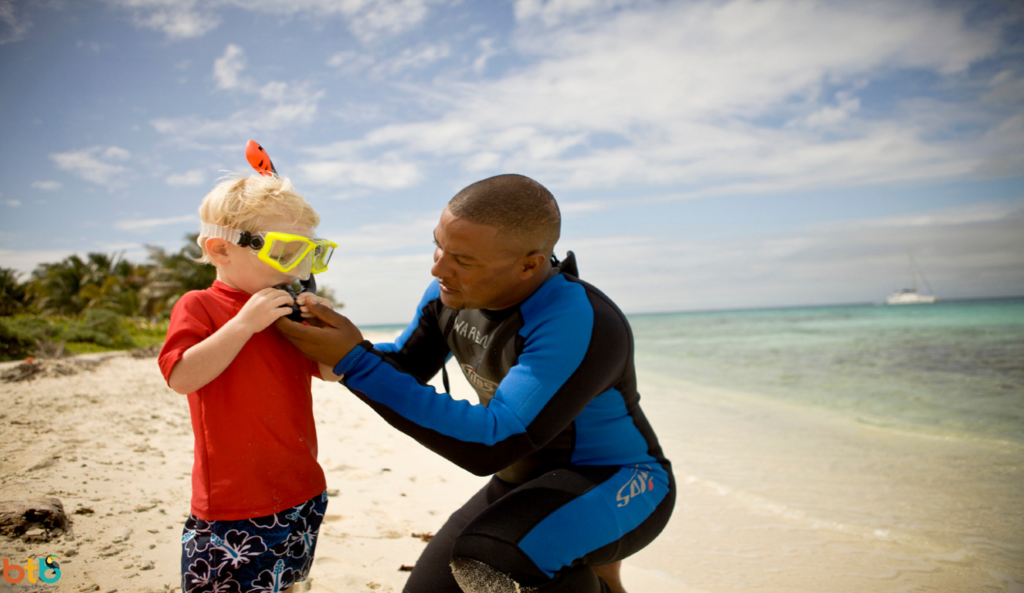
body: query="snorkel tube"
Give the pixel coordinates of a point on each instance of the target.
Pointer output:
(260, 160)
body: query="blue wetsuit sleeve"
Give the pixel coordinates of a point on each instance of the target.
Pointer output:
(558, 372)
(419, 349)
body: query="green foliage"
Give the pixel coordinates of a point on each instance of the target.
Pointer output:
(173, 275)
(13, 345)
(102, 327)
(20, 336)
(101, 302)
(13, 294)
(147, 333)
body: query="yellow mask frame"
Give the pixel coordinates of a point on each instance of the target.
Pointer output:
(282, 251)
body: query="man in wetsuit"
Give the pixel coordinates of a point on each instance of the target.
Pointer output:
(580, 481)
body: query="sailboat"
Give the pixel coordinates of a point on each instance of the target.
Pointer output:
(910, 296)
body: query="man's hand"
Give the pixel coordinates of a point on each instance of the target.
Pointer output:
(327, 344)
(304, 300)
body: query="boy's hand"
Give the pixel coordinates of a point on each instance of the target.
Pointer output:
(263, 308)
(304, 300)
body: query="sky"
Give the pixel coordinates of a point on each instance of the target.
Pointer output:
(705, 154)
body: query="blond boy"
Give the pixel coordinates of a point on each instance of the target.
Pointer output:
(258, 492)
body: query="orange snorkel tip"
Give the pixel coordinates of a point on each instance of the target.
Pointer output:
(259, 159)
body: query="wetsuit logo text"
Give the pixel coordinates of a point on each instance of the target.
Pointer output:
(637, 484)
(465, 330)
(477, 381)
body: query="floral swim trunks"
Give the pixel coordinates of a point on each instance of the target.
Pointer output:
(265, 554)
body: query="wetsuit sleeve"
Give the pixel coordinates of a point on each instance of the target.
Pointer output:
(420, 350)
(562, 366)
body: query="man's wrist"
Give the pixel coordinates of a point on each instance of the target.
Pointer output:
(350, 359)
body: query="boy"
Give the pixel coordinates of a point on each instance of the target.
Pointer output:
(258, 493)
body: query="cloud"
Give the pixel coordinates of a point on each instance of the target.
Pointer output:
(94, 164)
(276, 105)
(228, 67)
(716, 97)
(411, 58)
(972, 214)
(350, 62)
(47, 185)
(964, 252)
(368, 20)
(27, 260)
(193, 177)
(298, 107)
(13, 203)
(415, 58)
(177, 19)
(142, 225)
(375, 18)
(554, 12)
(487, 52)
(379, 270)
(13, 27)
(384, 173)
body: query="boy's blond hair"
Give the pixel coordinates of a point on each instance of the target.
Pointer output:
(249, 204)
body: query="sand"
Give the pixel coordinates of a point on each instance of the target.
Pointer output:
(114, 444)
(771, 498)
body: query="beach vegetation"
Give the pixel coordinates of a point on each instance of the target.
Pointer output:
(98, 302)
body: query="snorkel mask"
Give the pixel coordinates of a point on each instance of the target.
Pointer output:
(294, 255)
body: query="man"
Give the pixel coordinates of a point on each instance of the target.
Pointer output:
(580, 480)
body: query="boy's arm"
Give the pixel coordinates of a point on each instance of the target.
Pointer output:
(327, 373)
(206, 360)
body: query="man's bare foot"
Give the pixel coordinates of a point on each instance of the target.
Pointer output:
(609, 573)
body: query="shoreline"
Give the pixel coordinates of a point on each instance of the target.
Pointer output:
(781, 496)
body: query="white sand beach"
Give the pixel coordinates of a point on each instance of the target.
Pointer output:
(114, 444)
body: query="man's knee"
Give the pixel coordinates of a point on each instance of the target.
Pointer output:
(474, 576)
(502, 556)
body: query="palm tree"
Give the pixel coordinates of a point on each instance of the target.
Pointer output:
(56, 287)
(172, 275)
(13, 294)
(101, 281)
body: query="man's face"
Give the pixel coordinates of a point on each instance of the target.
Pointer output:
(474, 269)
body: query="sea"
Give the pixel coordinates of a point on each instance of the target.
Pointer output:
(953, 367)
(840, 448)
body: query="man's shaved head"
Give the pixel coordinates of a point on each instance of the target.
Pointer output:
(523, 211)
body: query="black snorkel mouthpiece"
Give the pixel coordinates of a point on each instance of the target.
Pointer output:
(304, 286)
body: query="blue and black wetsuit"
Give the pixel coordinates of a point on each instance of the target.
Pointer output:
(579, 476)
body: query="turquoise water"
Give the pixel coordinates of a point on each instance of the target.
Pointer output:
(952, 367)
(841, 449)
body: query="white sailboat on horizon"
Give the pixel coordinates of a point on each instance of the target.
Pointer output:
(910, 296)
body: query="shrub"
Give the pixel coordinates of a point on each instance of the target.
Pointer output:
(14, 344)
(102, 327)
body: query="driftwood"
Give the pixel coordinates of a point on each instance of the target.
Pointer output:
(38, 369)
(35, 520)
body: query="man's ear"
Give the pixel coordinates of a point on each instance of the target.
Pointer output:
(218, 250)
(532, 264)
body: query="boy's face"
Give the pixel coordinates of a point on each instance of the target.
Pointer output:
(244, 271)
